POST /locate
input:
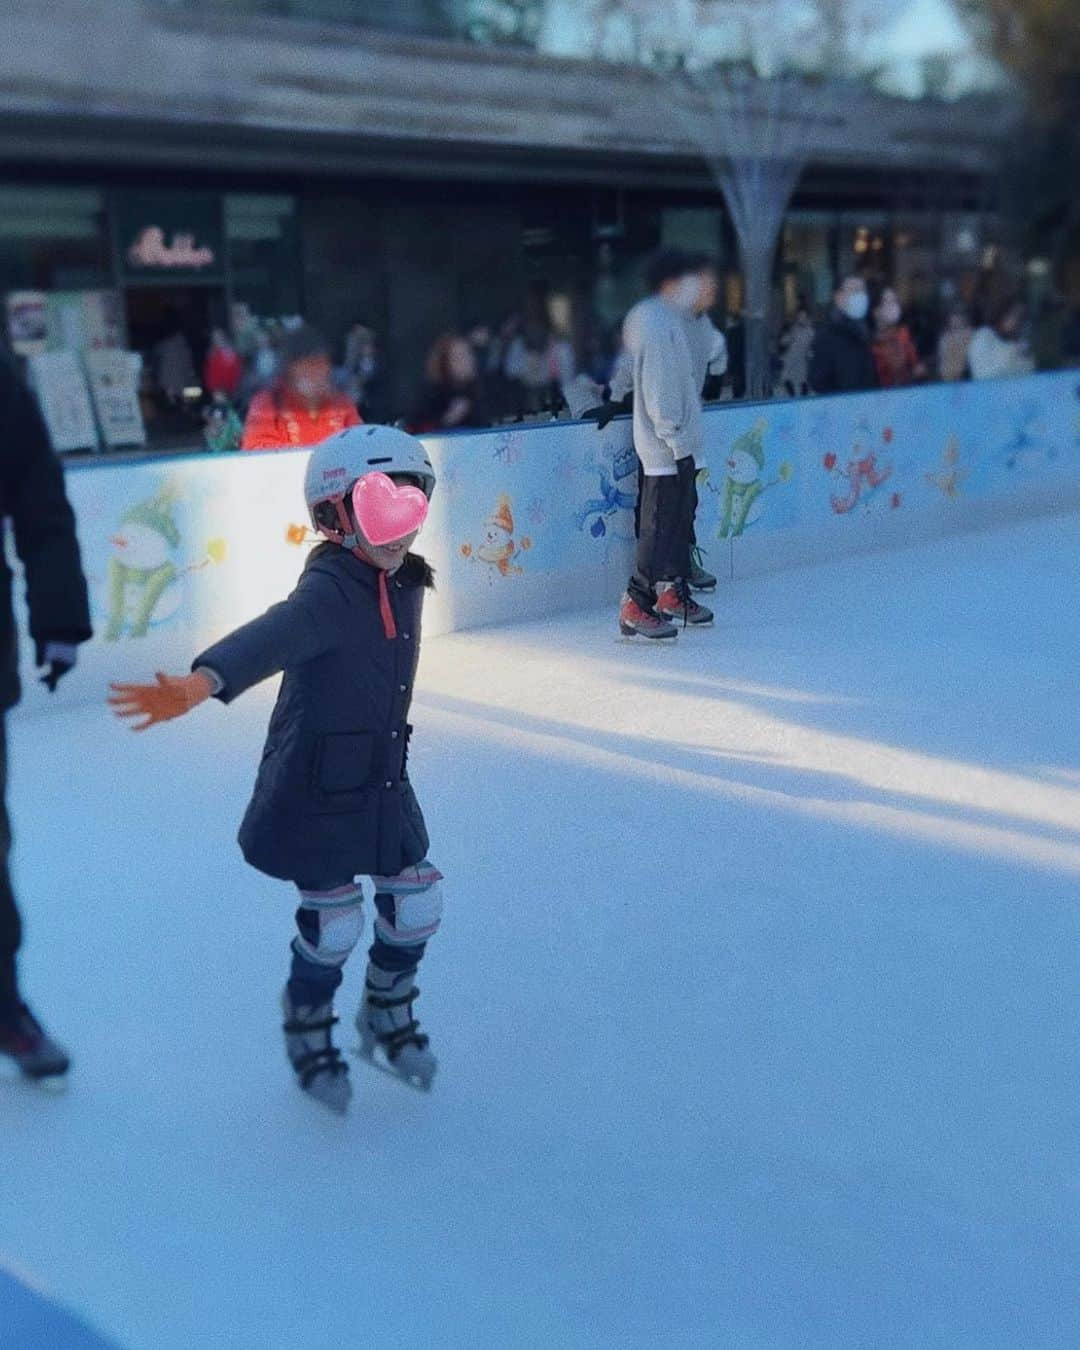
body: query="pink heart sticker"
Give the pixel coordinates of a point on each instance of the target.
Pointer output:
(386, 512)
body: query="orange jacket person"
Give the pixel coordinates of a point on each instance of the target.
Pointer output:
(301, 407)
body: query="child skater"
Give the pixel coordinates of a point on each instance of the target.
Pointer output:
(332, 799)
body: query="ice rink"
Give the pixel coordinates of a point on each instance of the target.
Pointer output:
(756, 997)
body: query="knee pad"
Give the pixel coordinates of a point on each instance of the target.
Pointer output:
(410, 905)
(328, 929)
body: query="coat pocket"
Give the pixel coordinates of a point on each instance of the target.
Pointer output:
(343, 762)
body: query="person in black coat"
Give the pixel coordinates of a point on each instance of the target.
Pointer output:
(32, 497)
(453, 396)
(842, 360)
(332, 797)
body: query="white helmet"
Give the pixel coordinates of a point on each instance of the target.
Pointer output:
(341, 459)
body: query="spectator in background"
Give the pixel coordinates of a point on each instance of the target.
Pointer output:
(953, 346)
(173, 363)
(540, 363)
(842, 361)
(735, 337)
(796, 344)
(452, 396)
(245, 330)
(708, 346)
(488, 348)
(895, 358)
(996, 350)
(33, 497)
(222, 429)
(362, 373)
(222, 369)
(263, 366)
(1070, 338)
(301, 407)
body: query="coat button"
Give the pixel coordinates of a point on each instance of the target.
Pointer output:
(403, 688)
(406, 636)
(393, 735)
(388, 784)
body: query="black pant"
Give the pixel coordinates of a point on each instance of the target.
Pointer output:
(10, 926)
(637, 506)
(665, 531)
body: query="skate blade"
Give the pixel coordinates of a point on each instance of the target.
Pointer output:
(373, 1060)
(337, 1107)
(629, 634)
(51, 1084)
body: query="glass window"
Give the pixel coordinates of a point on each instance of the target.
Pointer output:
(53, 239)
(806, 260)
(264, 253)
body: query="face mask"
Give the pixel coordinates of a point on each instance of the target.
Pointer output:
(856, 304)
(890, 312)
(687, 293)
(309, 390)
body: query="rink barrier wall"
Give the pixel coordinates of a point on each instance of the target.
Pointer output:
(527, 522)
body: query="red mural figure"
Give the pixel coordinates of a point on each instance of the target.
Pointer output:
(860, 474)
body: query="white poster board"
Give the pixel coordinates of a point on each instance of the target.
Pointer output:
(114, 384)
(85, 320)
(64, 398)
(27, 321)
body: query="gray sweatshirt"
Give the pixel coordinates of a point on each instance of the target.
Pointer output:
(669, 353)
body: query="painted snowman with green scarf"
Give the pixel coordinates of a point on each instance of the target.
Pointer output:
(142, 566)
(743, 486)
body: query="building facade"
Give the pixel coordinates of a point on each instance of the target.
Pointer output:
(393, 164)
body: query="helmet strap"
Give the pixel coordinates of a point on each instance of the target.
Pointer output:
(348, 537)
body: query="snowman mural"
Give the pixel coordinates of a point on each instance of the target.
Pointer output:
(144, 573)
(617, 492)
(860, 477)
(743, 485)
(143, 566)
(497, 547)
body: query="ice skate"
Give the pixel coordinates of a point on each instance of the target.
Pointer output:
(390, 1037)
(700, 580)
(319, 1068)
(675, 604)
(26, 1044)
(635, 621)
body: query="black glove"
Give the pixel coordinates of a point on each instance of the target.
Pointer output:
(604, 412)
(60, 657)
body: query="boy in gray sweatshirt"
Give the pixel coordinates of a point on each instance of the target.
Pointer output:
(667, 438)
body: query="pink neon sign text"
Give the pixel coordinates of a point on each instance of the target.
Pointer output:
(151, 250)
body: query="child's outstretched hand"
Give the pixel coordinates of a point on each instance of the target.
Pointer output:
(172, 696)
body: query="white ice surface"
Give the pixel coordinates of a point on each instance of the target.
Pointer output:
(756, 997)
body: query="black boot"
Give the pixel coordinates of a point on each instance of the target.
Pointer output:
(23, 1040)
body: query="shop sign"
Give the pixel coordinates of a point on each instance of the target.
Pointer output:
(171, 236)
(151, 250)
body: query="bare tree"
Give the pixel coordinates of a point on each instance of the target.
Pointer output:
(755, 119)
(753, 134)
